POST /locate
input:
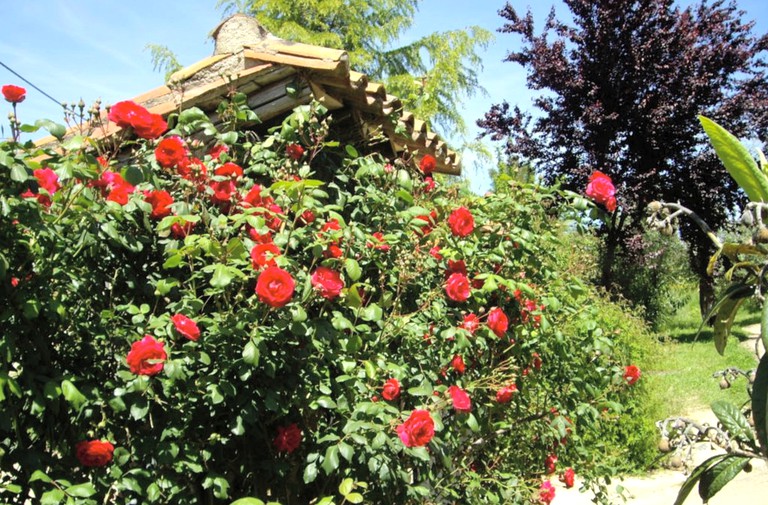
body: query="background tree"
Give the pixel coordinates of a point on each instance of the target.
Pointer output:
(624, 83)
(431, 74)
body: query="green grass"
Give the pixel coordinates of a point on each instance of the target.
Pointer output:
(681, 378)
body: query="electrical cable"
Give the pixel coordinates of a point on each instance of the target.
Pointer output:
(30, 83)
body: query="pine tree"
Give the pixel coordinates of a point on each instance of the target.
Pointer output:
(431, 75)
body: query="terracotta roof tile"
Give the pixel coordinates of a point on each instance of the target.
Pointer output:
(263, 67)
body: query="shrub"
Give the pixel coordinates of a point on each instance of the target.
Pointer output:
(306, 324)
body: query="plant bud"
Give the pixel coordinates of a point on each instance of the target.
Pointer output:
(724, 384)
(664, 445)
(761, 235)
(676, 462)
(747, 219)
(654, 206)
(668, 230)
(748, 467)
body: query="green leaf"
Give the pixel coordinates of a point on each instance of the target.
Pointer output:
(351, 151)
(423, 389)
(725, 310)
(764, 325)
(732, 419)
(139, 409)
(371, 313)
(222, 276)
(331, 460)
(346, 486)
(310, 473)
(346, 450)
(694, 477)
(247, 501)
(81, 490)
(191, 115)
(52, 497)
(55, 129)
(354, 498)
(353, 269)
(251, 353)
(72, 394)
(737, 161)
(760, 403)
(19, 173)
(714, 478)
(40, 475)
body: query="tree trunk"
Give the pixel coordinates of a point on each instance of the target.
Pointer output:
(706, 295)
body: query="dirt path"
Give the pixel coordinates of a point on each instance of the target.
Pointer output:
(661, 487)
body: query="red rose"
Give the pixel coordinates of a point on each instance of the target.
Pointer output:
(456, 267)
(114, 187)
(550, 464)
(170, 152)
(391, 390)
(631, 374)
(288, 438)
(430, 220)
(417, 430)
(306, 217)
(294, 151)
(47, 179)
(429, 184)
(151, 128)
(130, 114)
(536, 362)
(93, 453)
(505, 394)
(458, 364)
(253, 197)
(229, 169)
(567, 477)
(427, 164)
(380, 243)
(546, 493)
(435, 253)
(498, 321)
(14, 94)
(457, 287)
(328, 282)
(217, 150)
(460, 399)
(182, 230)
(160, 201)
(192, 169)
(146, 356)
(257, 237)
(263, 255)
(461, 222)
(223, 191)
(470, 323)
(275, 287)
(186, 327)
(333, 251)
(601, 190)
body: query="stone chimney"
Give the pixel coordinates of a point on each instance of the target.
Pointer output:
(235, 32)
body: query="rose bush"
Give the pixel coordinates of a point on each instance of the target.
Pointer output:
(489, 355)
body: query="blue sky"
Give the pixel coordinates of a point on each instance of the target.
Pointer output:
(92, 49)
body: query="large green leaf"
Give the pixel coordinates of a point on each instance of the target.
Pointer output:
(733, 420)
(760, 403)
(713, 479)
(725, 310)
(694, 477)
(736, 158)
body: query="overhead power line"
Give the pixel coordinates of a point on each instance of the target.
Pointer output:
(29, 82)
